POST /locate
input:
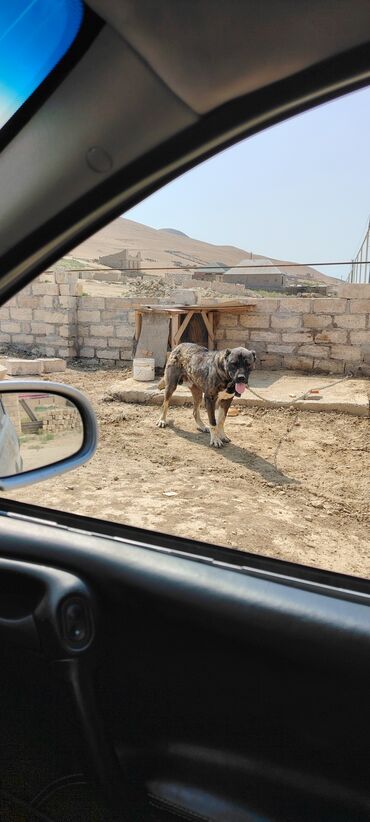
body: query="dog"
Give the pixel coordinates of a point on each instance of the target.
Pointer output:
(212, 373)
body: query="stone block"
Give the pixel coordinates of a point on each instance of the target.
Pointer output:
(88, 316)
(237, 334)
(23, 301)
(17, 367)
(44, 315)
(118, 315)
(331, 335)
(124, 331)
(314, 350)
(270, 361)
(220, 334)
(20, 339)
(254, 321)
(265, 336)
(329, 305)
(91, 303)
(67, 301)
(285, 321)
(298, 362)
(319, 321)
(107, 353)
(229, 320)
(355, 321)
(359, 337)
(86, 351)
(115, 302)
(11, 327)
(20, 313)
(26, 328)
(4, 313)
(350, 353)
(54, 365)
(40, 289)
(95, 341)
(266, 306)
(42, 328)
(281, 348)
(102, 330)
(365, 350)
(297, 337)
(4, 338)
(359, 306)
(296, 305)
(328, 366)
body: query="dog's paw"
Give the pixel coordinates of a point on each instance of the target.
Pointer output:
(225, 438)
(216, 442)
(161, 424)
(203, 429)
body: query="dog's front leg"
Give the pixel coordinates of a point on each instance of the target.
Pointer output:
(222, 408)
(216, 439)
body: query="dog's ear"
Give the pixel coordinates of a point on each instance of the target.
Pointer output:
(227, 353)
(253, 355)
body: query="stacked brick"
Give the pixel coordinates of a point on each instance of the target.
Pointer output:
(328, 335)
(60, 420)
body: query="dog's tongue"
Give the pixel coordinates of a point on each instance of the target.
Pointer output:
(240, 387)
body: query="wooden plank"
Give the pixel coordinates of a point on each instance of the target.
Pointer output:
(138, 324)
(183, 325)
(153, 341)
(175, 325)
(208, 322)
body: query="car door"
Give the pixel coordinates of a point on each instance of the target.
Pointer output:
(146, 675)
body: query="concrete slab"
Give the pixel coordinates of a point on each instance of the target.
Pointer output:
(17, 367)
(276, 389)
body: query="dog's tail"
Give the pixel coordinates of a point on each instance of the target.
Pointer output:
(162, 384)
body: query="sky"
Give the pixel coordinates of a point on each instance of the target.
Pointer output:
(299, 191)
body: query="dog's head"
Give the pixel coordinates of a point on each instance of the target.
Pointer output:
(239, 362)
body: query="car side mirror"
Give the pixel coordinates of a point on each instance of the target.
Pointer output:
(45, 429)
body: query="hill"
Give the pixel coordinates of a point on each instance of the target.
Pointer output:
(169, 248)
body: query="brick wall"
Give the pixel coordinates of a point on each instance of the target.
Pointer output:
(52, 315)
(329, 335)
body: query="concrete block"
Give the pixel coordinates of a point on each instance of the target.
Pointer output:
(329, 305)
(360, 306)
(22, 301)
(40, 289)
(119, 315)
(314, 350)
(332, 335)
(46, 302)
(124, 331)
(296, 305)
(270, 361)
(95, 341)
(17, 367)
(20, 313)
(265, 336)
(365, 349)
(20, 339)
(328, 366)
(107, 353)
(91, 303)
(86, 351)
(297, 336)
(254, 321)
(285, 321)
(4, 313)
(359, 337)
(89, 316)
(228, 320)
(102, 330)
(220, 334)
(355, 321)
(350, 353)
(265, 305)
(44, 315)
(26, 328)
(42, 328)
(67, 301)
(298, 362)
(69, 353)
(53, 365)
(235, 334)
(4, 338)
(11, 327)
(281, 348)
(115, 302)
(319, 321)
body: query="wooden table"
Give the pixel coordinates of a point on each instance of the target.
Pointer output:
(180, 316)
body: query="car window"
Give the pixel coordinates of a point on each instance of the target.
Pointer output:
(260, 256)
(34, 36)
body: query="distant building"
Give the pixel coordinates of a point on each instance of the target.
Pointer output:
(122, 260)
(257, 273)
(210, 273)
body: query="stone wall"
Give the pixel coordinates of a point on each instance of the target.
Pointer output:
(328, 335)
(52, 317)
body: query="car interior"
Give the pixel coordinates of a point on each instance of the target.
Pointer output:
(146, 676)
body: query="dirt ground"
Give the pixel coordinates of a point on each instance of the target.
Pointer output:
(293, 485)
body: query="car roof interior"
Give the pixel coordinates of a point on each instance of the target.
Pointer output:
(198, 80)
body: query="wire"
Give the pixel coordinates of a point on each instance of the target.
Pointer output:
(302, 396)
(204, 267)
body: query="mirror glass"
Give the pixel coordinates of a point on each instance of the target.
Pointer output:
(36, 430)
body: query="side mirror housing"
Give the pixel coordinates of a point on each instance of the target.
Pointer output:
(46, 428)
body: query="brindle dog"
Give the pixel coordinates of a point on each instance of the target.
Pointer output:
(212, 373)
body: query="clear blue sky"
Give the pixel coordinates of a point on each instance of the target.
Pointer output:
(299, 191)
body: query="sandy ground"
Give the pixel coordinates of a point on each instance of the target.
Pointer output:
(293, 485)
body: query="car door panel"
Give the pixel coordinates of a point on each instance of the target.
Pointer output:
(212, 692)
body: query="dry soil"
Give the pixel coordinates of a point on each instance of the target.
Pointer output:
(293, 485)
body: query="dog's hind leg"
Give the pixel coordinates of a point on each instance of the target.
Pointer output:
(197, 399)
(222, 408)
(171, 379)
